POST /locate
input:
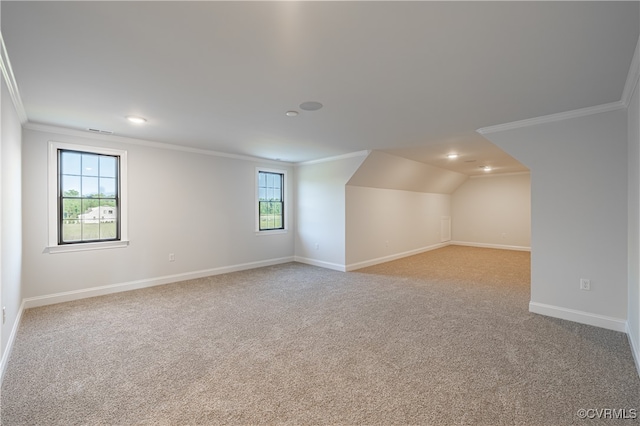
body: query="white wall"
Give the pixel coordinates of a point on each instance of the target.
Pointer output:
(578, 214)
(633, 133)
(386, 224)
(320, 210)
(198, 206)
(10, 217)
(493, 211)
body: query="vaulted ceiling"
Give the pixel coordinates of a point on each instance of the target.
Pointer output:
(415, 79)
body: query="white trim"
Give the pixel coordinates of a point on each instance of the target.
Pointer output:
(320, 263)
(635, 348)
(67, 248)
(364, 264)
(12, 337)
(142, 142)
(632, 76)
(335, 158)
(53, 246)
(491, 246)
(68, 296)
(491, 175)
(610, 323)
(12, 84)
(598, 109)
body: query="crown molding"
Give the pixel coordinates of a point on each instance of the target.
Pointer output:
(632, 76)
(335, 158)
(598, 109)
(494, 175)
(142, 142)
(10, 79)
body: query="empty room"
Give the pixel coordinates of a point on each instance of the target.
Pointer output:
(319, 212)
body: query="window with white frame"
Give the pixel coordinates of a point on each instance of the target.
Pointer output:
(87, 197)
(270, 200)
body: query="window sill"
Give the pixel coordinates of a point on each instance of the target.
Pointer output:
(86, 246)
(274, 232)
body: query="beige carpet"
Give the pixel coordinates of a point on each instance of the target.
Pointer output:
(441, 338)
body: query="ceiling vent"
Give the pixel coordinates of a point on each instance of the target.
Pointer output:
(102, 132)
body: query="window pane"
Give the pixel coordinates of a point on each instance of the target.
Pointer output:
(108, 166)
(71, 231)
(107, 187)
(90, 230)
(70, 163)
(71, 208)
(89, 165)
(90, 209)
(70, 186)
(270, 180)
(262, 180)
(108, 218)
(89, 186)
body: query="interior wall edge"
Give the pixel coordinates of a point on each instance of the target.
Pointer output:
(635, 348)
(320, 263)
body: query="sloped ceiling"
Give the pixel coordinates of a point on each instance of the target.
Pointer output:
(415, 79)
(385, 171)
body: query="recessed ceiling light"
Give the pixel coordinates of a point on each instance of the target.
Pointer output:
(135, 119)
(452, 156)
(291, 113)
(487, 168)
(310, 106)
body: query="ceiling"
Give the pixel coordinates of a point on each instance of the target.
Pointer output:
(414, 79)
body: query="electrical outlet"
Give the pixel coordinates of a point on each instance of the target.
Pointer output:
(172, 257)
(585, 284)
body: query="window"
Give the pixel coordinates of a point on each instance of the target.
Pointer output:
(270, 200)
(87, 197)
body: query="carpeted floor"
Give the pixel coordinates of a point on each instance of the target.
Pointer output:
(440, 338)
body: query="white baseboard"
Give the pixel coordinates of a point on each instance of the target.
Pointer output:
(12, 338)
(320, 263)
(635, 348)
(493, 246)
(610, 323)
(68, 296)
(364, 264)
